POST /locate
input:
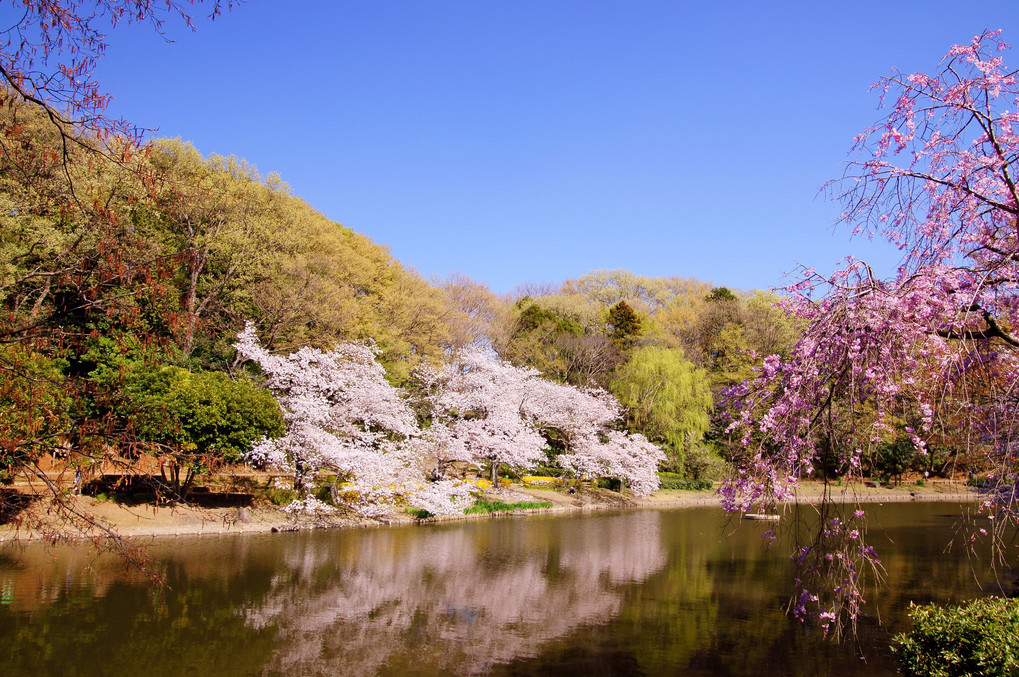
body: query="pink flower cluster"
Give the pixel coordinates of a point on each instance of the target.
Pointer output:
(929, 354)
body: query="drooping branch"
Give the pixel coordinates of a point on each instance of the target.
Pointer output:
(992, 331)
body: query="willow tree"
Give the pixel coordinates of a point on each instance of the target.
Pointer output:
(666, 398)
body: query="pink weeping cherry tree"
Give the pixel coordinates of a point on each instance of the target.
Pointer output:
(931, 355)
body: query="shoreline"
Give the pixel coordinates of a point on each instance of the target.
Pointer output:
(145, 522)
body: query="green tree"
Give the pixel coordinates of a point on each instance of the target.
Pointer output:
(730, 358)
(193, 422)
(626, 325)
(667, 398)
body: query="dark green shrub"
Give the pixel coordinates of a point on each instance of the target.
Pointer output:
(192, 421)
(482, 507)
(281, 496)
(201, 411)
(980, 638)
(894, 458)
(980, 481)
(671, 480)
(609, 483)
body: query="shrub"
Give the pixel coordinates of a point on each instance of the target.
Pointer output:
(481, 507)
(610, 483)
(979, 481)
(281, 496)
(894, 458)
(977, 638)
(201, 411)
(704, 462)
(670, 480)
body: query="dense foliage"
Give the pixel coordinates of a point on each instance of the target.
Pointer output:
(123, 281)
(976, 639)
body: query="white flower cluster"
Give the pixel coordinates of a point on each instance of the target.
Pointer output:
(343, 416)
(487, 410)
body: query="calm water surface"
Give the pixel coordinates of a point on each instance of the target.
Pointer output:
(648, 592)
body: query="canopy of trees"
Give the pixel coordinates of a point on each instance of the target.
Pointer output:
(127, 269)
(124, 281)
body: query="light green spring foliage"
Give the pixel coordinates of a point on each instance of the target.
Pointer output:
(645, 294)
(723, 331)
(250, 250)
(202, 413)
(667, 398)
(977, 639)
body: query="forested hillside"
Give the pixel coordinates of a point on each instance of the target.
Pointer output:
(122, 268)
(129, 272)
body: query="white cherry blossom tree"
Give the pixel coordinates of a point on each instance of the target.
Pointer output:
(343, 416)
(489, 411)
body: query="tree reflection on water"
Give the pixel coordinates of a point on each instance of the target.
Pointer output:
(633, 593)
(455, 599)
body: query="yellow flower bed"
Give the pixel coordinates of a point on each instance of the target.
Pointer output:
(539, 481)
(484, 484)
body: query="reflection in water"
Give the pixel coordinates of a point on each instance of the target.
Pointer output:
(453, 599)
(639, 593)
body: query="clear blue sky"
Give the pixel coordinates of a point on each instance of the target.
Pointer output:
(537, 140)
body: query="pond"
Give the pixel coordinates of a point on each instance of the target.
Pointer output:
(642, 592)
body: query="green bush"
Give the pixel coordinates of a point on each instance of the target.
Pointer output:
(671, 480)
(610, 483)
(894, 458)
(201, 411)
(281, 496)
(481, 507)
(980, 638)
(704, 462)
(979, 481)
(547, 471)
